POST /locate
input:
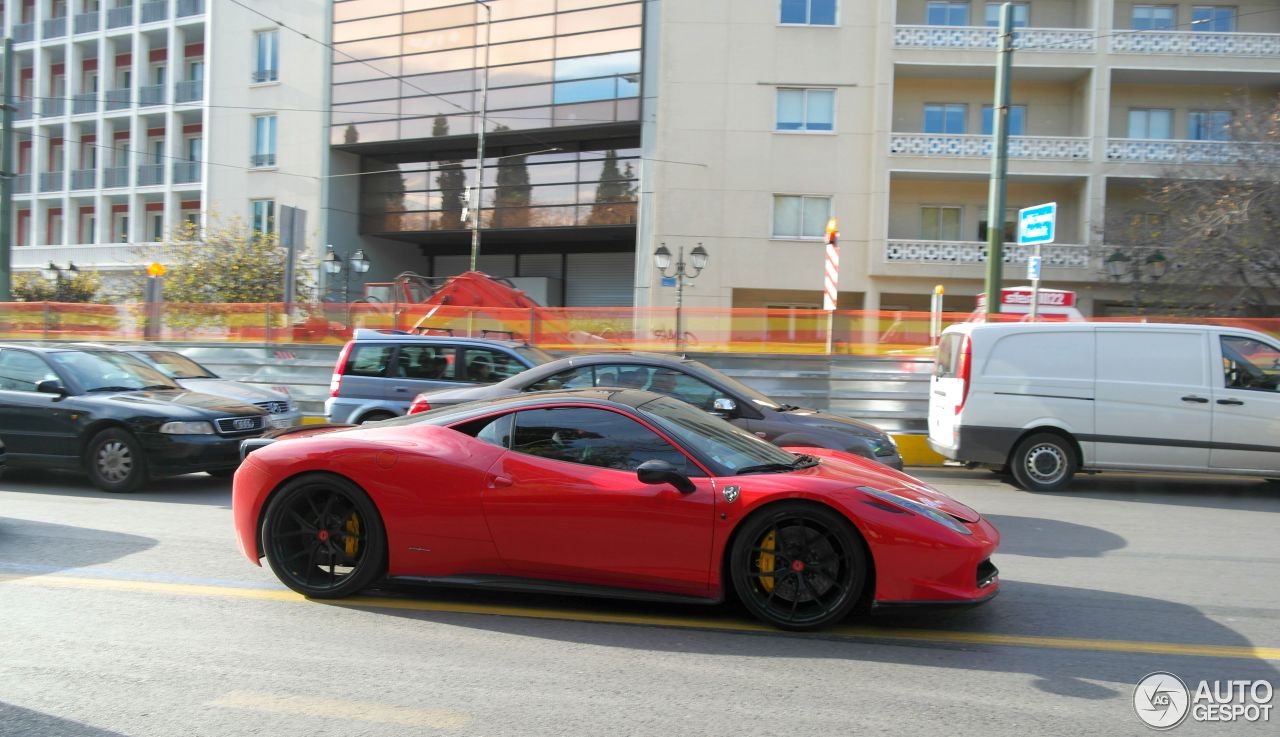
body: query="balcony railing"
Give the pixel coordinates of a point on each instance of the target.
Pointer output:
(118, 99)
(262, 160)
(85, 102)
(115, 177)
(83, 178)
(95, 255)
(983, 37)
(1038, 148)
(1190, 152)
(1194, 43)
(119, 17)
(22, 184)
(87, 22)
(186, 172)
(23, 32)
(151, 95)
(150, 175)
(265, 75)
(51, 181)
(55, 27)
(156, 10)
(52, 107)
(191, 90)
(25, 110)
(190, 7)
(1058, 255)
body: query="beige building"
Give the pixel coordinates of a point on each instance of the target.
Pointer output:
(762, 118)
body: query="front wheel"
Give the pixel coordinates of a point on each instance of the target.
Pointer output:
(323, 537)
(798, 566)
(115, 462)
(1043, 462)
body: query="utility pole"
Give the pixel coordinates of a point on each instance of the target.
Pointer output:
(477, 191)
(7, 174)
(999, 162)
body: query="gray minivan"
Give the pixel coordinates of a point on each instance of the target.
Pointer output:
(380, 371)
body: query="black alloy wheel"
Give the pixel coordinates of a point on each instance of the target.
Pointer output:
(115, 461)
(323, 537)
(1043, 462)
(798, 566)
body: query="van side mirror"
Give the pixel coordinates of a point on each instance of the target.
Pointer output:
(52, 386)
(724, 407)
(661, 472)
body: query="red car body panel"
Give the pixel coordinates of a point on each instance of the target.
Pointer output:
(455, 505)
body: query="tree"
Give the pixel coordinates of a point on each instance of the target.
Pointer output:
(513, 195)
(615, 195)
(1217, 224)
(230, 264)
(451, 181)
(80, 286)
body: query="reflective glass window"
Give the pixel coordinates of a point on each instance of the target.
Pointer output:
(800, 216)
(356, 9)
(598, 43)
(449, 38)
(598, 20)
(370, 28)
(526, 28)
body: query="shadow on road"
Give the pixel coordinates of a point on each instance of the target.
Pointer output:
(1050, 538)
(195, 488)
(37, 548)
(1209, 492)
(20, 722)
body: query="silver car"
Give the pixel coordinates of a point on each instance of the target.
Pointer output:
(194, 377)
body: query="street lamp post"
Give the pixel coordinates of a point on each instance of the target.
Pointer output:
(54, 273)
(1119, 265)
(476, 189)
(333, 265)
(698, 260)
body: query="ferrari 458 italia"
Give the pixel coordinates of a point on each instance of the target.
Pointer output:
(613, 492)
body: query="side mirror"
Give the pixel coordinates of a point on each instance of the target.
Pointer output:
(661, 472)
(724, 407)
(52, 386)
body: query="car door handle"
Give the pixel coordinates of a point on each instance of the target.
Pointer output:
(1230, 401)
(1194, 398)
(400, 389)
(499, 482)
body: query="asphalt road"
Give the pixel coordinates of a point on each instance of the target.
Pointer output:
(136, 615)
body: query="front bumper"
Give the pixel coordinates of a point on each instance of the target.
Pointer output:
(171, 455)
(292, 418)
(919, 565)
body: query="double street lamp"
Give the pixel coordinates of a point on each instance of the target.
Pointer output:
(698, 260)
(54, 272)
(333, 265)
(1120, 264)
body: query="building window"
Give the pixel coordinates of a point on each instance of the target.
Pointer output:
(800, 216)
(156, 225)
(264, 216)
(88, 227)
(1010, 226)
(944, 13)
(1017, 120)
(120, 227)
(1151, 124)
(809, 12)
(806, 110)
(601, 77)
(1209, 125)
(264, 140)
(1154, 17)
(1021, 15)
(266, 66)
(944, 117)
(940, 222)
(1213, 19)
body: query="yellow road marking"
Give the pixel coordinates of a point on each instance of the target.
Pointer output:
(343, 709)
(451, 607)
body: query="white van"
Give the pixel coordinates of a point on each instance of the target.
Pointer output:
(1044, 400)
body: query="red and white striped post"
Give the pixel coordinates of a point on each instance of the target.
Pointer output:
(831, 278)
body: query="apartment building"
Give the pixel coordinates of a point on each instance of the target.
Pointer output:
(135, 117)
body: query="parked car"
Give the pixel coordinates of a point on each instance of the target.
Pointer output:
(380, 371)
(191, 375)
(1044, 401)
(607, 492)
(115, 417)
(698, 384)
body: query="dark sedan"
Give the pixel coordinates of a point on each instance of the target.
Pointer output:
(693, 382)
(115, 417)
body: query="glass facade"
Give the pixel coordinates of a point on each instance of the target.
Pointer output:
(412, 69)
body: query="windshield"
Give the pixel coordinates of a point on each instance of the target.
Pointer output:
(99, 371)
(737, 386)
(536, 356)
(175, 365)
(712, 438)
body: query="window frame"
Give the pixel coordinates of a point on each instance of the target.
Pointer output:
(1133, 16)
(265, 153)
(1024, 7)
(270, 215)
(1192, 124)
(808, 22)
(266, 71)
(1234, 19)
(804, 128)
(773, 224)
(951, 6)
(988, 122)
(946, 108)
(1148, 110)
(940, 208)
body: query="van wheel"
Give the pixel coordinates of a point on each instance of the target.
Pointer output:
(1043, 462)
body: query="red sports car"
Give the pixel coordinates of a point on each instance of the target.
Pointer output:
(611, 492)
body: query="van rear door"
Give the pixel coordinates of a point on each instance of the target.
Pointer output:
(947, 388)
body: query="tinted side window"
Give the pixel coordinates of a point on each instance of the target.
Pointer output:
(369, 360)
(485, 366)
(21, 371)
(1249, 364)
(574, 378)
(627, 376)
(492, 430)
(594, 437)
(684, 387)
(427, 361)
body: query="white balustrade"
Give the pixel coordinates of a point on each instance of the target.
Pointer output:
(109, 256)
(984, 37)
(1059, 255)
(1194, 43)
(1039, 148)
(1165, 151)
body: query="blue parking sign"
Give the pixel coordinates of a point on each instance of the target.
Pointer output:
(1035, 224)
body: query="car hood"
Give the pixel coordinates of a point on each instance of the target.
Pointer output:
(232, 390)
(828, 421)
(846, 470)
(467, 394)
(207, 403)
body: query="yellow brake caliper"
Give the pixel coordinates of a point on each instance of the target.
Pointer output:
(765, 562)
(351, 545)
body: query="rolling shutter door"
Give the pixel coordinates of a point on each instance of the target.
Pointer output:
(600, 280)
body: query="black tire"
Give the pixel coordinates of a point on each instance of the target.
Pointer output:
(798, 566)
(323, 537)
(376, 417)
(115, 462)
(222, 473)
(1043, 462)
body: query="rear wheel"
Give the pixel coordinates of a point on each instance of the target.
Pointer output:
(798, 566)
(1043, 462)
(323, 537)
(115, 462)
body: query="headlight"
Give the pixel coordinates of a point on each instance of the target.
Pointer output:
(915, 507)
(187, 428)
